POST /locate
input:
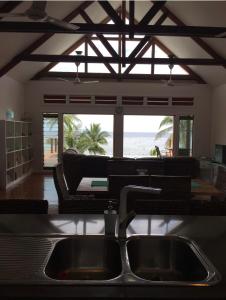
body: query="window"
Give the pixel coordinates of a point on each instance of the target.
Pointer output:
(89, 134)
(185, 135)
(92, 46)
(143, 133)
(50, 139)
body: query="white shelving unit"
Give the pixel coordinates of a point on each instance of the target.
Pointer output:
(16, 152)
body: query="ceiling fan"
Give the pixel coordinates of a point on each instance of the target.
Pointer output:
(170, 82)
(37, 13)
(77, 80)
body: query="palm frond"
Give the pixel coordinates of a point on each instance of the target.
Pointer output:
(164, 132)
(166, 121)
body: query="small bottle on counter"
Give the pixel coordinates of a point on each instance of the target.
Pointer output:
(110, 216)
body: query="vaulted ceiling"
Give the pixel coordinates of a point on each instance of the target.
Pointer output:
(17, 46)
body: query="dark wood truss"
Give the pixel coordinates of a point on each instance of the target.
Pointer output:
(163, 30)
(41, 40)
(120, 29)
(126, 60)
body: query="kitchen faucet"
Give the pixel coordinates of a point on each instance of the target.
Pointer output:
(124, 217)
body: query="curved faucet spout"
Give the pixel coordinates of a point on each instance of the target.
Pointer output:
(124, 217)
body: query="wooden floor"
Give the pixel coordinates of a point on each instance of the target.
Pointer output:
(36, 186)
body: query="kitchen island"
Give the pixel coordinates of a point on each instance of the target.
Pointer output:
(208, 232)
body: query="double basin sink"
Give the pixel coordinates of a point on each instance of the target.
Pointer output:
(138, 260)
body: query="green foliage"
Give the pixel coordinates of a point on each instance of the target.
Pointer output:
(153, 152)
(91, 140)
(166, 129)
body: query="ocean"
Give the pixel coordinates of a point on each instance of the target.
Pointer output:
(136, 144)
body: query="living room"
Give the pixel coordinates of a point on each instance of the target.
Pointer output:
(199, 96)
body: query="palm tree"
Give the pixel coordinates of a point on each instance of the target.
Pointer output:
(166, 129)
(91, 140)
(72, 125)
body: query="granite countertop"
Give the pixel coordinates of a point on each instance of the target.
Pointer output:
(208, 232)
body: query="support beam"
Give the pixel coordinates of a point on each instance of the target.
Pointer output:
(131, 17)
(198, 40)
(152, 12)
(40, 41)
(142, 52)
(96, 50)
(123, 37)
(74, 46)
(111, 12)
(188, 69)
(9, 6)
(106, 77)
(103, 39)
(126, 60)
(145, 40)
(164, 30)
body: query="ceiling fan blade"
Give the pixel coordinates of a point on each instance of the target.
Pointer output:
(94, 81)
(63, 79)
(61, 24)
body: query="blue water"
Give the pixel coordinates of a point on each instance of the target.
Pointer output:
(135, 144)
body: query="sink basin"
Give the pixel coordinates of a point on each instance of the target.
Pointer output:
(138, 260)
(81, 258)
(169, 259)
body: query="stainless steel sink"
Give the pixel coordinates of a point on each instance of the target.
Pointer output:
(85, 258)
(138, 260)
(169, 259)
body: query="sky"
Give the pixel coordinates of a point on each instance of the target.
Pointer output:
(131, 123)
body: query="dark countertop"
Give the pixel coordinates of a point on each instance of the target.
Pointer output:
(208, 232)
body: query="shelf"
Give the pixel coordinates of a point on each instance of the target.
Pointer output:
(16, 160)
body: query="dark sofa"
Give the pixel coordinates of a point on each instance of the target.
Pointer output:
(77, 166)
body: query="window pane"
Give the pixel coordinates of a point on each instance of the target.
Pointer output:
(159, 53)
(89, 134)
(97, 68)
(141, 69)
(143, 133)
(185, 135)
(164, 69)
(68, 67)
(50, 140)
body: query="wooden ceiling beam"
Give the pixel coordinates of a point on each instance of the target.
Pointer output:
(142, 52)
(163, 30)
(131, 17)
(123, 37)
(40, 41)
(75, 45)
(145, 40)
(51, 65)
(9, 6)
(156, 7)
(185, 67)
(103, 39)
(107, 65)
(208, 49)
(126, 60)
(111, 12)
(104, 76)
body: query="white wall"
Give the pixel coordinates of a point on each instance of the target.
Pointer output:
(11, 97)
(34, 106)
(218, 134)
